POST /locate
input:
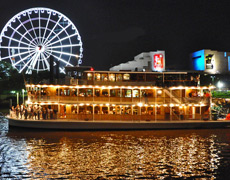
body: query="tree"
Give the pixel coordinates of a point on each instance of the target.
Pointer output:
(10, 79)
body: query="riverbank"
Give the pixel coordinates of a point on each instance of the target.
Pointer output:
(117, 125)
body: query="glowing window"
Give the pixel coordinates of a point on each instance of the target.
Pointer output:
(111, 77)
(97, 76)
(135, 93)
(118, 77)
(104, 77)
(126, 77)
(89, 76)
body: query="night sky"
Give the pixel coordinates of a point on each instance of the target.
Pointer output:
(114, 31)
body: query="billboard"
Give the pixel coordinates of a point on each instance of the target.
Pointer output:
(158, 62)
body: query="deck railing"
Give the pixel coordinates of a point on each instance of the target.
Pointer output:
(128, 117)
(128, 100)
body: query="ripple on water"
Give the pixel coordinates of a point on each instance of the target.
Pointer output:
(115, 155)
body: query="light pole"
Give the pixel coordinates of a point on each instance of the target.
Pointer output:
(23, 97)
(220, 85)
(17, 97)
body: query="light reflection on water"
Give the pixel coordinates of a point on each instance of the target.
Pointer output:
(114, 155)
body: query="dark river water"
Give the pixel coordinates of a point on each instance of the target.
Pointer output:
(156, 154)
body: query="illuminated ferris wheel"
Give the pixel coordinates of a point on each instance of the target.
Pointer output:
(33, 35)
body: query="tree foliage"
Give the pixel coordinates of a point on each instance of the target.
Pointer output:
(10, 79)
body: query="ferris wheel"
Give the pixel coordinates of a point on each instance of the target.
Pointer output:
(32, 36)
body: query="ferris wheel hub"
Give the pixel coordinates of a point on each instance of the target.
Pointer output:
(40, 48)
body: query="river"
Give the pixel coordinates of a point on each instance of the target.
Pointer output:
(157, 154)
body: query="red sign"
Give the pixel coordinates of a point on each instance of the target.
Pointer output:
(158, 62)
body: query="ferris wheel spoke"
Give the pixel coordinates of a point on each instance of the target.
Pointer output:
(16, 40)
(47, 23)
(46, 54)
(27, 63)
(38, 62)
(22, 35)
(33, 63)
(25, 28)
(32, 27)
(62, 46)
(61, 59)
(15, 47)
(15, 55)
(60, 52)
(47, 38)
(39, 27)
(62, 39)
(58, 33)
(43, 64)
(21, 60)
(46, 62)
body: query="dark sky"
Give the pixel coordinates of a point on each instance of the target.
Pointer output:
(114, 31)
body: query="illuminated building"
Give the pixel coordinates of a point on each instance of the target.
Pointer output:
(210, 61)
(146, 61)
(213, 66)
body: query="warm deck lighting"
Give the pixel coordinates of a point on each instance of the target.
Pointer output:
(220, 85)
(140, 104)
(159, 92)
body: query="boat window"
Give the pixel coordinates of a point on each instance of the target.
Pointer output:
(118, 77)
(150, 111)
(74, 92)
(66, 92)
(111, 77)
(89, 76)
(104, 77)
(113, 92)
(97, 92)
(96, 110)
(158, 110)
(126, 93)
(135, 110)
(89, 110)
(118, 110)
(136, 93)
(97, 76)
(81, 109)
(89, 92)
(104, 110)
(126, 77)
(127, 110)
(74, 109)
(105, 92)
(143, 110)
(112, 110)
(82, 92)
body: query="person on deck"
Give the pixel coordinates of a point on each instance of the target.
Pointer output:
(25, 112)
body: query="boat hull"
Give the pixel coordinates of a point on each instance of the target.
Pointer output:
(116, 125)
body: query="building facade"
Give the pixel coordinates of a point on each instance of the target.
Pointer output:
(146, 61)
(210, 61)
